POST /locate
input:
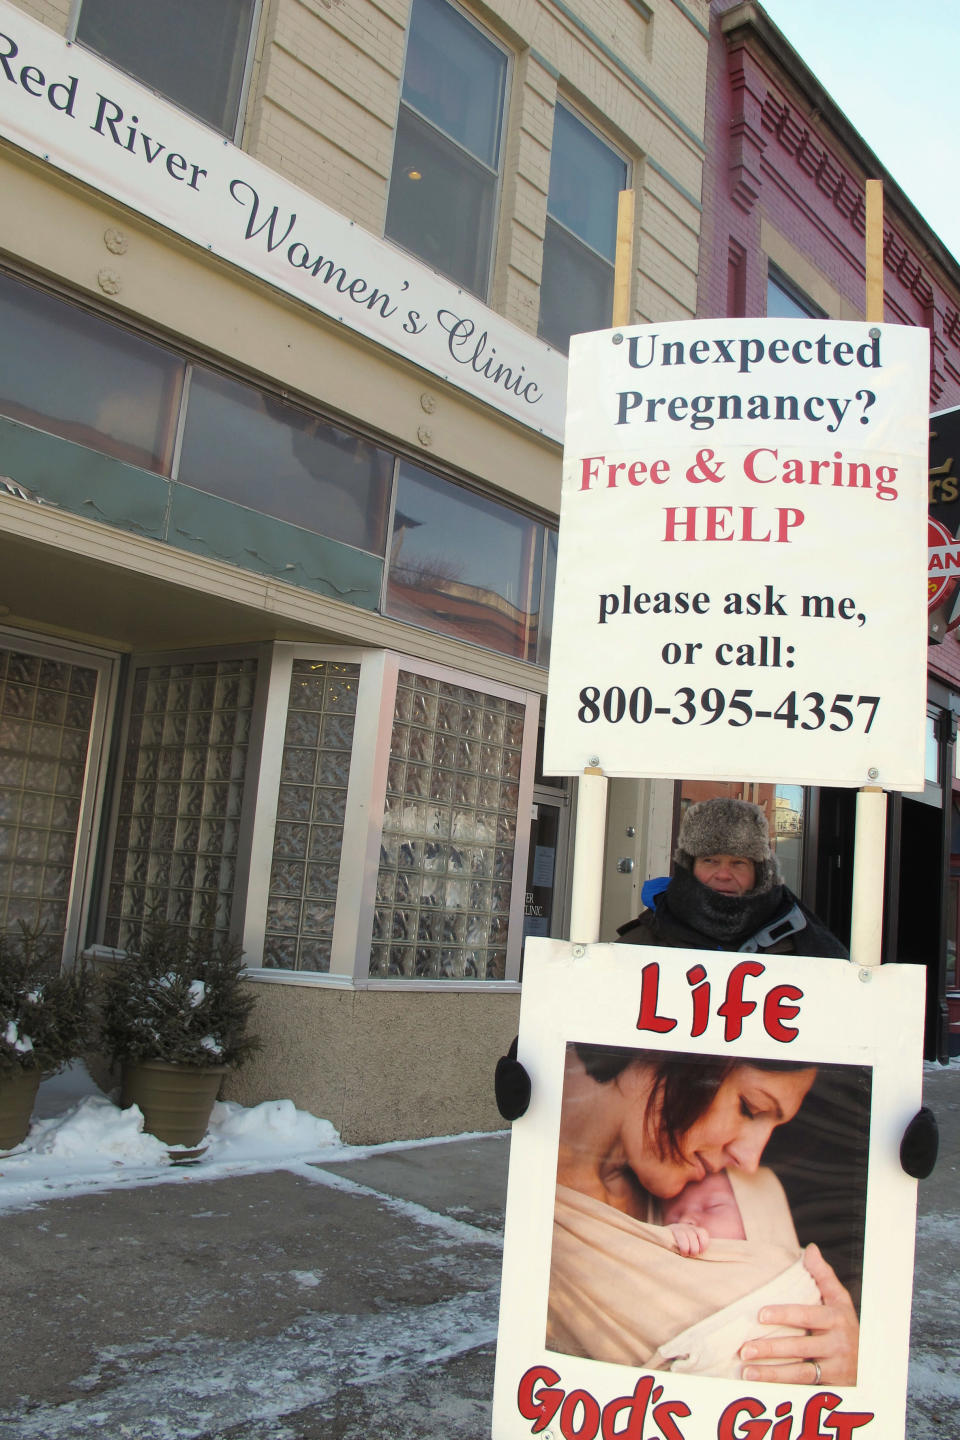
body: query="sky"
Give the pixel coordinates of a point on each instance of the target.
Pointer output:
(892, 69)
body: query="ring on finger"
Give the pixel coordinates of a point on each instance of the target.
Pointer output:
(816, 1371)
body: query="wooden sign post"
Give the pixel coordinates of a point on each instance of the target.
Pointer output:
(870, 844)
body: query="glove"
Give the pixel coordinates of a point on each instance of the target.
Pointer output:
(920, 1143)
(511, 1085)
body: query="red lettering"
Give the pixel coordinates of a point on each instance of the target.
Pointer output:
(648, 1019)
(588, 470)
(544, 1405)
(841, 1425)
(636, 1404)
(749, 467)
(782, 1429)
(701, 999)
(663, 1416)
(718, 520)
(734, 1007)
(591, 1416)
(787, 524)
(754, 1429)
(776, 1011)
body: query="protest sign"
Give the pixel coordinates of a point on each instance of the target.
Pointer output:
(740, 579)
(660, 1090)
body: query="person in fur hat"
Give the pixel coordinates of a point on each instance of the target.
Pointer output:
(727, 891)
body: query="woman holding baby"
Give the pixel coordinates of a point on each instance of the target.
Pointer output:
(646, 1141)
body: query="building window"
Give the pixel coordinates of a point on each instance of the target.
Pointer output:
(311, 806)
(247, 446)
(464, 565)
(446, 163)
(181, 795)
(579, 245)
(73, 374)
(787, 301)
(193, 54)
(458, 562)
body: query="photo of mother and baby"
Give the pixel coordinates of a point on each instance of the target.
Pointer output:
(675, 1245)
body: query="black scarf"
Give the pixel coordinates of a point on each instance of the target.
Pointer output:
(726, 919)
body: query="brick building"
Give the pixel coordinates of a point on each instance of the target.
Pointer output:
(784, 234)
(286, 288)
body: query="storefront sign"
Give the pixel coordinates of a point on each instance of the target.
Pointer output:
(64, 104)
(708, 1138)
(742, 554)
(943, 476)
(943, 563)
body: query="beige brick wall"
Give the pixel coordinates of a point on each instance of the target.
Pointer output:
(54, 13)
(325, 88)
(324, 103)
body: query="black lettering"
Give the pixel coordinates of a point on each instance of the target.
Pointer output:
(109, 120)
(6, 56)
(273, 242)
(31, 75)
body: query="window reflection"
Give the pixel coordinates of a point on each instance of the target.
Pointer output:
(786, 302)
(81, 377)
(260, 452)
(464, 565)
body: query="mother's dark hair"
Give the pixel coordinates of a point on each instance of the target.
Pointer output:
(684, 1085)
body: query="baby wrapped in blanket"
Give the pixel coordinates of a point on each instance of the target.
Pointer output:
(681, 1296)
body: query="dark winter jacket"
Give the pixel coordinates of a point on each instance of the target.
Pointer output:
(691, 916)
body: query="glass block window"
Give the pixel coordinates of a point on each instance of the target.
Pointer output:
(46, 713)
(310, 811)
(449, 833)
(180, 798)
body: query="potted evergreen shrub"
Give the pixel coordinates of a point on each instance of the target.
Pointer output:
(175, 1018)
(44, 1023)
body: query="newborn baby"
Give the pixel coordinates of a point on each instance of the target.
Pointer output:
(704, 1210)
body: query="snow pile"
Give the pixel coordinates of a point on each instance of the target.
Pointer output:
(276, 1127)
(98, 1135)
(80, 1142)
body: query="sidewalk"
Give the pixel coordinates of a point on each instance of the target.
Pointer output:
(355, 1299)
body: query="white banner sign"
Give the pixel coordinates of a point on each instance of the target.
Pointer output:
(64, 104)
(710, 1137)
(742, 555)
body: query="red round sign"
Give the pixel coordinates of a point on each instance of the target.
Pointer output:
(943, 564)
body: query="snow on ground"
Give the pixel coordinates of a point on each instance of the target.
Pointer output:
(80, 1141)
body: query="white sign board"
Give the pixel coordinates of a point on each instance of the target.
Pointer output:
(66, 105)
(760, 1102)
(742, 555)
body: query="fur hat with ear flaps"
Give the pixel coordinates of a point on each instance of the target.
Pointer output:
(729, 827)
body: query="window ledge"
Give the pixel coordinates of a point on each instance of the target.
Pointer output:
(317, 979)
